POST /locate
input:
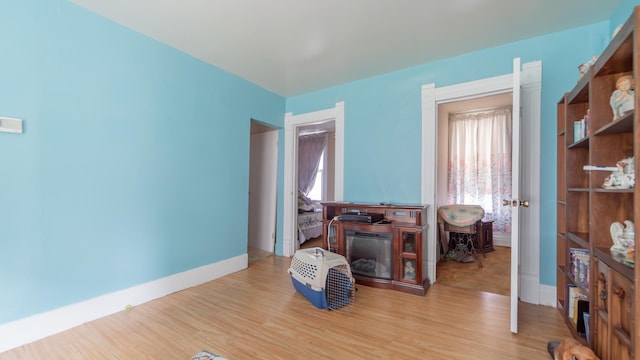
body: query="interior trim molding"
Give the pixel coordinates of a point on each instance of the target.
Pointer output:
(291, 124)
(39, 326)
(548, 295)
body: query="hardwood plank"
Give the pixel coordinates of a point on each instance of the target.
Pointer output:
(256, 313)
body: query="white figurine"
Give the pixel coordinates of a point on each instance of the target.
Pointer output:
(629, 227)
(628, 238)
(627, 165)
(623, 237)
(616, 230)
(619, 180)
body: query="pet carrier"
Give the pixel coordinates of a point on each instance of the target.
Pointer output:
(323, 277)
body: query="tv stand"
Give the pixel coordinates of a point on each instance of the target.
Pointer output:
(407, 253)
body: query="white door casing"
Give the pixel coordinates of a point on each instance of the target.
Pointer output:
(291, 125)
(531, 84)
(263, 189)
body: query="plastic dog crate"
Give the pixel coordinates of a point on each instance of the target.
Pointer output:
(323, 277)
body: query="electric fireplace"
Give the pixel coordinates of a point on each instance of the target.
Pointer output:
(370, 253)
(387, 253)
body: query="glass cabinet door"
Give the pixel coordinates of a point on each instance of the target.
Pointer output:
(409, 267)
(332, 238)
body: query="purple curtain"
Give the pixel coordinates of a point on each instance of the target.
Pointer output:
(310, 148)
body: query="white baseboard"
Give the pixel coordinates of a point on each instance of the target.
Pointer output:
(548, 295)
(502, 239)
(530, 289)
(36, 327)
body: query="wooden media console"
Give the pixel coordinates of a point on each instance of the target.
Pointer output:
(389, 253)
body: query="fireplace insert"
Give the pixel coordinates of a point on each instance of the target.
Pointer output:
(370, 253)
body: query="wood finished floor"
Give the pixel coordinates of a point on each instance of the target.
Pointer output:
(494, 276)
(256, 314)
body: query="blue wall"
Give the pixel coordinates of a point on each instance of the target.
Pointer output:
(383, 119)
(622, 13)
(130, 148)
(133, 158)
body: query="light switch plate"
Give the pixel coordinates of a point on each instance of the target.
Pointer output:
(11, 125)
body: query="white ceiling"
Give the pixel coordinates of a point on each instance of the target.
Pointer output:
(292, 47)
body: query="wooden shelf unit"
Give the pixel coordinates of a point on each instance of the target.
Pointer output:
(585, 210)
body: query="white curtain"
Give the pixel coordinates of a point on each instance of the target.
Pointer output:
(480, 163)
(310, 148)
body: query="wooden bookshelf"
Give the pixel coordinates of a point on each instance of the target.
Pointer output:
(586, 210)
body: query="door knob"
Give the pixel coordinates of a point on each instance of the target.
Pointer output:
(524, 203)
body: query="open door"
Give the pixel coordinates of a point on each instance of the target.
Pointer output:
(515, 196)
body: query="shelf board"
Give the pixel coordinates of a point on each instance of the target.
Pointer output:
(578, 189)
(620, 126)
(580, 238)
(562, 270)
(603, 254)
(580, 93)
(582, 143)
(615, 191)
(579, 337)
(574, 282)
(561, 306)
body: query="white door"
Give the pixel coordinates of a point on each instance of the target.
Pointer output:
(262, 190)
(514, 202)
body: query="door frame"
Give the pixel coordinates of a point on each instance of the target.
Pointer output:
(292, 123)
(531, 85)
(263, 186)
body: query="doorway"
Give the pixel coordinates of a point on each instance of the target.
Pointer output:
(325, 180)
(479, 103)
(493, 276)
(263, 166)
(528, 279)
(293, 124)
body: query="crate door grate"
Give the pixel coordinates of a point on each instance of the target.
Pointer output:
(340, 289)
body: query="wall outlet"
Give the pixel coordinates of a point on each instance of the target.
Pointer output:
(11, 125)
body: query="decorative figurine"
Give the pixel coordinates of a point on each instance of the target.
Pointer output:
(584, 68)
(623, 177)
(627, 166)
(616, 31)
(409, 270)
(623, 237)
(622, 98)
(619, 180)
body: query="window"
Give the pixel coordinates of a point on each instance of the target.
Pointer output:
(480, 162)
(316, 191)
